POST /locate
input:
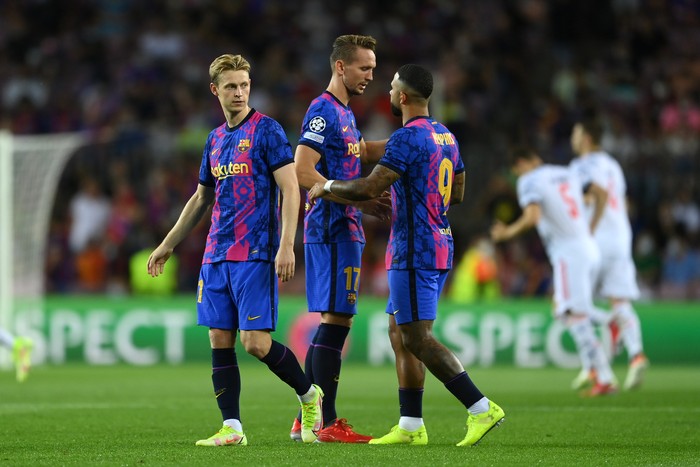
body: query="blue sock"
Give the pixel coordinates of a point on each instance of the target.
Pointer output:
(227, 382)
(282, 362)
(411, 402)
(462, 387)
(326, 365)
(308, 364)
(308, 361)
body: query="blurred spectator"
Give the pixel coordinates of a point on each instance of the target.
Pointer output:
(685, 213)
(475, 278)
(24, 85)
(91, 267)
(681, 270)
(648, 261)
(89, 211)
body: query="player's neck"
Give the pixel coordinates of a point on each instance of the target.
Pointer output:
(409, 113)
(338, 89)
(530, 167)
(590, 150)
(233, 119)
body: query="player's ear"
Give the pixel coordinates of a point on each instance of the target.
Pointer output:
(212, 88)
(339, 67)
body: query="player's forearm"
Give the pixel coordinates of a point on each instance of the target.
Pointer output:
(191, 215)
(290, 216)
(356, 190)
(374, 150)
(308, 177)
(517, 228)
(457, 194)
(600, 200)
(598, 209)
(524, 223)
(362, 189)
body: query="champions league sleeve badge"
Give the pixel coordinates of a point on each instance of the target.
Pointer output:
(317, 124)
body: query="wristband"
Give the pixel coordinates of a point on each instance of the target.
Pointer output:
(327, 186)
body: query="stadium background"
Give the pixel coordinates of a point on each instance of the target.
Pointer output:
(133, 75)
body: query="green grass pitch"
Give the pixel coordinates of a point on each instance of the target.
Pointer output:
(81, 415)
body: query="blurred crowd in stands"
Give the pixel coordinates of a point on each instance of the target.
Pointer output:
(133, 75)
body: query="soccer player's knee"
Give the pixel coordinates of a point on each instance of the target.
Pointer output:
(396, 337)
(338, 319)
(413, 342)
(255, 345)
(256, 349)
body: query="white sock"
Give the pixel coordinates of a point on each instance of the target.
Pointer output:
(410, 423)
(309, 396)
(6, 339)
(630, 328)
(578, 333)
(234, 423)
(480, 406)
(590, 349)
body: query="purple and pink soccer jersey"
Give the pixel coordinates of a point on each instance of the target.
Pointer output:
(426, 155)
(329, 129)
(239, 162)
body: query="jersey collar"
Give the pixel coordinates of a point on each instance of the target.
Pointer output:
(247, 117)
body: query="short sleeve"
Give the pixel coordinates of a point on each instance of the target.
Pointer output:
(397, 149)
(318, 125)
(205, 176)
(527, 192)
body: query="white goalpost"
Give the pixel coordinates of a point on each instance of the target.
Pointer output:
(30, 169)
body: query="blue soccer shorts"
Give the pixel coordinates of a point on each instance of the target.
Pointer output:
(237, 295)
(414, 293)
(333, 276)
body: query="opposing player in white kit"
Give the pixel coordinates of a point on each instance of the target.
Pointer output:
(552, 200)
(604, 184)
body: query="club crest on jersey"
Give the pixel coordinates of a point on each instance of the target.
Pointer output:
(317, 124)
(352, 298)
(243, 145)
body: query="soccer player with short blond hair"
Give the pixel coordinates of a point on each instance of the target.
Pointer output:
(246, 162)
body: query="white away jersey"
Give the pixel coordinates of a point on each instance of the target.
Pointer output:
(559, 194)
(613, 233)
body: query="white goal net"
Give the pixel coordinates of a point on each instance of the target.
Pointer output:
(30, 169)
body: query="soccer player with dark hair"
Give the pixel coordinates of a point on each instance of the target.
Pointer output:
(423, 167)
(606, 190)
(331, 146)
(552, 201)
(246, 162)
